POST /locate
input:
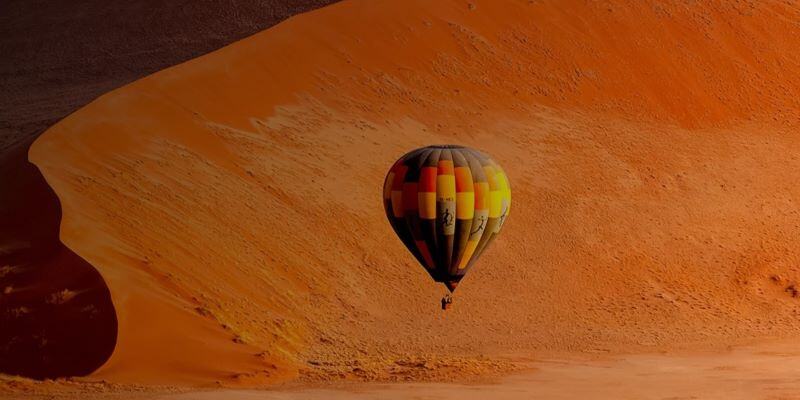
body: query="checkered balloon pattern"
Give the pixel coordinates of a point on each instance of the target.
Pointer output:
(447, 204)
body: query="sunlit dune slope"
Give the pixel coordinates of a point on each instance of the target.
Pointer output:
(233, 203)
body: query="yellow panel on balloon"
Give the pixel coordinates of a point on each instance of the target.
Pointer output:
(491, 177)
(495, 204)
(465, 205)
(427, 205)
(471, 245)
(446, 187)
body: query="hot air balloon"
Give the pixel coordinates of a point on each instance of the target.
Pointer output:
(447, 203)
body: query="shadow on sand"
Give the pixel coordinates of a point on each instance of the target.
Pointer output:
(56, 314)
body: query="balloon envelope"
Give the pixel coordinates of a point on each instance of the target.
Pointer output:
(446, 203)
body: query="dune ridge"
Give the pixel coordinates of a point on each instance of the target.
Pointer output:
(54, 307)
(232, 203)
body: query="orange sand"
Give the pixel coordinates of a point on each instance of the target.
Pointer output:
(650, 147)
(764, 372)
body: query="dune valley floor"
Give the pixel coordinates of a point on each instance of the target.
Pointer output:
(769, 371)
(747, 373)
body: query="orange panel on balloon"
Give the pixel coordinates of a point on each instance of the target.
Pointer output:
(427, 179)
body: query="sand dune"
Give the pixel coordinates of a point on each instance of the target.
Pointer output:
(227, 203)
(55, 310)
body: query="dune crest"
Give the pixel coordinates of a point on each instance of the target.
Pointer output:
(233, 203)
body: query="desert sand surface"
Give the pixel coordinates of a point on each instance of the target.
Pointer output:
(769, 372)
(232, 203)
(764, 371)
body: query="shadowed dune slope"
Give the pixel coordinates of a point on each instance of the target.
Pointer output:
(56, 313)
(233, 203)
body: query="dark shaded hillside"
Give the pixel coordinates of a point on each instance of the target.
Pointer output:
(58, 56)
